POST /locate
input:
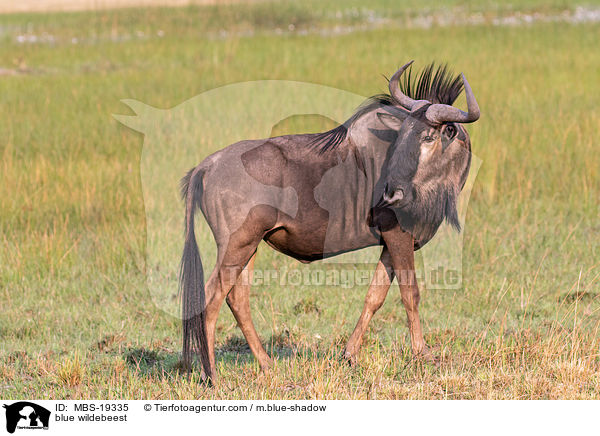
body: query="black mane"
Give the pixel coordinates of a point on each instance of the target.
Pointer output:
(436, 86)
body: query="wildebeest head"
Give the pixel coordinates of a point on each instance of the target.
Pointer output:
(428, 164)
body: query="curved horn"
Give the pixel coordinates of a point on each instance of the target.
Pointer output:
(394, 86)
(443, 113)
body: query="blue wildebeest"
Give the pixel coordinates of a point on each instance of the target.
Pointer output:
(393, 172)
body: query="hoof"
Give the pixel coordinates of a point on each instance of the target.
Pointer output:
(350, 358)
(427, 356)
(184, 366)
(267, 366)
(210, 379)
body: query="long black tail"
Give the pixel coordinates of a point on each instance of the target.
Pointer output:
(191, 278)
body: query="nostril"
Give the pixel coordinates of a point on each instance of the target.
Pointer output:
(386, 192)
(391, 196)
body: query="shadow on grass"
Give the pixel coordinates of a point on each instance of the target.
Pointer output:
(234, 351)
(153, 362)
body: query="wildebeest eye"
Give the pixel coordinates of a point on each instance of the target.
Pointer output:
(450, 131)
(428, 138)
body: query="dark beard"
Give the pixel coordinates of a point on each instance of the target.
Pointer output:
(423, 216)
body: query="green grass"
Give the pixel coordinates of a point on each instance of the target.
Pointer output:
(77, 320)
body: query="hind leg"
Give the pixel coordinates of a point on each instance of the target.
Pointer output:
(239, 303)
(235, 250)
(232, 259)
(221, 281)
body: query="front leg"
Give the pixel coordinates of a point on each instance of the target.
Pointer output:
(401, 247)
(376, 294)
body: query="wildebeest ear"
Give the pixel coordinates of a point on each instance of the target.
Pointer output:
(390, 121)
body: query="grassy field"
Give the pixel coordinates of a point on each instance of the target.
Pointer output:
(77, 320)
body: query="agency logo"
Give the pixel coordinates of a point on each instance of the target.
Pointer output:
(26, 415)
